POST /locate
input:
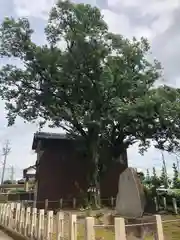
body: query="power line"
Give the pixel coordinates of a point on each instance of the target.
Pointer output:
(6, 150)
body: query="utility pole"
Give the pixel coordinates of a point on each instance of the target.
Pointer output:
(12, 174)
(6, 149)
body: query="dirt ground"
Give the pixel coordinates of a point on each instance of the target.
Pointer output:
(171, 226)
(3, 236)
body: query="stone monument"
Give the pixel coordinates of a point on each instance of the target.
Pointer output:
(130, 201)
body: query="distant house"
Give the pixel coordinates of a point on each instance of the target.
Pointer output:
(61, 169)
(30, 172)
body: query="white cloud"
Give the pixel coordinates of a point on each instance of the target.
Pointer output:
(162, 24)
(143, 31)
(33, 8)
(118, 23)
(40, 8)
(156, 7)
(145, 6)
(162, 10)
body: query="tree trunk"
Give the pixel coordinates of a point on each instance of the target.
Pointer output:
(94, 179)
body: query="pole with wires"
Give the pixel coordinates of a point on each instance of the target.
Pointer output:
(6, 150)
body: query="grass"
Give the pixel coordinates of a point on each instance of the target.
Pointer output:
(171, 229)
(100, 233)
(103, 233)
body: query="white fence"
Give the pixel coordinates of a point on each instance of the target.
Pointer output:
(36, 224)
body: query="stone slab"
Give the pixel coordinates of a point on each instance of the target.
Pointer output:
(130, 201)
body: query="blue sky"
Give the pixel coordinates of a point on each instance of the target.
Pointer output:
(155, 19)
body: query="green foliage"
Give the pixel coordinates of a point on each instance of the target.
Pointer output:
(148, 193)
(141, 176)
(7, 182)
(156, 182)
(164, 178)
(17, 191)
(99, 85)
(147, 180)
(176, 180)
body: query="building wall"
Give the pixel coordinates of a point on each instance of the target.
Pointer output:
(62, 173)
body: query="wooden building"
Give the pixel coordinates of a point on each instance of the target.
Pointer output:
(61, 170)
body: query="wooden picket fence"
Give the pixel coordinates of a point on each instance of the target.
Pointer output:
(38, 224)
(165, 206)
(72, 203)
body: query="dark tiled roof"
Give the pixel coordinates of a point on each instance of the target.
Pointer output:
(47, 135)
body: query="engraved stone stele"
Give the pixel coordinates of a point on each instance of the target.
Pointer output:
(130, 201)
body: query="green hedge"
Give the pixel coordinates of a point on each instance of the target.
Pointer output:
(151, 193)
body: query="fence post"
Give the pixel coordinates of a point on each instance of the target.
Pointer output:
(27, 221)
(4, 214)
(46, 205)
(156, 204)
(160, 235)
(59, 225)
(33, 223)
(8, 215)
(120, 229)
(6, 220)
(49, 230)
(112, 202)
(73, 227)
(164, 203)
(89, 228)
(21, 220)
(17, 216)
(40, 231)
(74, 203)
(1, 207)
(175, 206)
(60, 203)
(11, 220)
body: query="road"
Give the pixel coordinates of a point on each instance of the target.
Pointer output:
(3, 236)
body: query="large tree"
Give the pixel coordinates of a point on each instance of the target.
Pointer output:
(88, 81)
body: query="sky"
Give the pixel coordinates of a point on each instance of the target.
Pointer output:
(155, 19)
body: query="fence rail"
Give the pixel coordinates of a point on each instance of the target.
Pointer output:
(41, 224)
(161, 202)
(72, 203)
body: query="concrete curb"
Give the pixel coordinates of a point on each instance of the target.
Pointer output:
(13, 234)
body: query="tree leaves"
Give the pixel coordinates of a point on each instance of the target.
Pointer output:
(15, 43)
(100, 85)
